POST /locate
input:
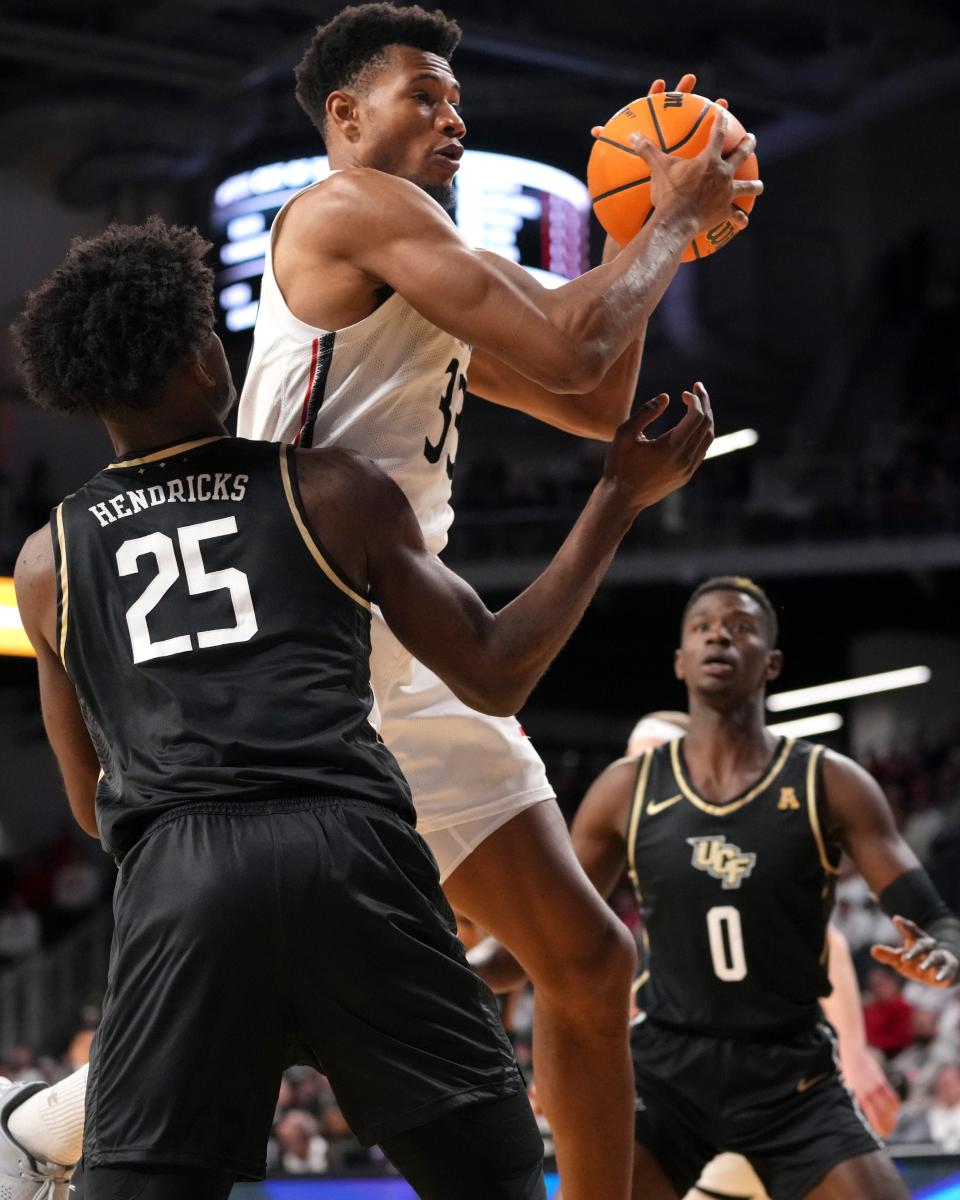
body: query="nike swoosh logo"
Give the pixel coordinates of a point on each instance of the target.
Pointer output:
(653, 808)
(806, 1084)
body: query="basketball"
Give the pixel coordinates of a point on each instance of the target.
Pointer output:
(619, 179)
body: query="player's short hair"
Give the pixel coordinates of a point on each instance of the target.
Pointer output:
(124, 309)
(738, 583)
(357, 39)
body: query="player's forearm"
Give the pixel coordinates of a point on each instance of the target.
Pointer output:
(606, 309)
(842, 1007)
(528, 633)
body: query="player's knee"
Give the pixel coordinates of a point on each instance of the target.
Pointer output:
(596, 972)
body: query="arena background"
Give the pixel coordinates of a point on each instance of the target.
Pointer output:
(829, 329)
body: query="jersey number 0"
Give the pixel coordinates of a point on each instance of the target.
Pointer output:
(199, 580)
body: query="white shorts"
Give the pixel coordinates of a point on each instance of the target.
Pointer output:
(728, 1175)
(468, 772)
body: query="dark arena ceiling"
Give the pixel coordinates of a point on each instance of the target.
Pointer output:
(102, 96)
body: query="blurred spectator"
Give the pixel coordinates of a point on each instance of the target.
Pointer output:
(925, 1055)
(912, 1123)
(302, 1149)
(887, 1016)
(20, 931)
(944, 1115)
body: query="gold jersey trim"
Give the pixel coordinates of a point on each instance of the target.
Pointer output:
(169, 452)
(636, 807)
(308, 538)
(64, 592)
(814, 815)
(723, 810)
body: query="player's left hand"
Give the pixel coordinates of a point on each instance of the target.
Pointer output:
(864, 1076)
(920, 957)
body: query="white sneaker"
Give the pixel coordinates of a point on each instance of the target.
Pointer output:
(23, 1177)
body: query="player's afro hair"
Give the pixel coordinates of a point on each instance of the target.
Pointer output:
(104, 331)
(357, 38)
(738, 583)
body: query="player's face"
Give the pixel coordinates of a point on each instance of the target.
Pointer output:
(409, 124)
(724, 649)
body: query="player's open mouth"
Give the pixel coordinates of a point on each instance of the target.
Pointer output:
(717, 666)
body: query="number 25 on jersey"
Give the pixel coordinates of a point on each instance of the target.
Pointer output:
(199, 580)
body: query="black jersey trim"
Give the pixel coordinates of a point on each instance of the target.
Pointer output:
(291, 490)
(63, 591)
(165, 452)
(721, 810)
(813, 813)
(636, 808)
(317, 389)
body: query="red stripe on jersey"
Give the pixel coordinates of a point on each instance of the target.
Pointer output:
(306, 399)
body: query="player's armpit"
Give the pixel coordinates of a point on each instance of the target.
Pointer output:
(599, 829)
(35, 582)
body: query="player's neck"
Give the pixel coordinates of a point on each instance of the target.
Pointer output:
(148, 432)
(729, 736)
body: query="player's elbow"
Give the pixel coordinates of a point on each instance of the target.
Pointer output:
(576, 368)
(494, 690)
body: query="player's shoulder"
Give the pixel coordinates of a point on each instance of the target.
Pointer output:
(34, 574)
(334, 474)
(348, 197)
(611, 793)
(844, 774)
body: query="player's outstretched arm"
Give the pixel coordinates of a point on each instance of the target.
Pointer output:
(859, 816)
(861, 1071)
(36, 588)
(492, 661)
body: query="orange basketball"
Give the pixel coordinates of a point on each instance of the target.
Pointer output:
(619, 179)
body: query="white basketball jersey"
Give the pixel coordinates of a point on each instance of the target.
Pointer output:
(391, 387)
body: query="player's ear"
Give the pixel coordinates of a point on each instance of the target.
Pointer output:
(774, 665)
(342, 113)
(201, 375)
(678, 664)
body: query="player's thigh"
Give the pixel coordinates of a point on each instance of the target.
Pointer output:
(524, 885)
(649, 1180)
(872, 1175)
(384, 1001)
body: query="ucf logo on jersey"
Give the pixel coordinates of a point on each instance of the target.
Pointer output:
(721, 860)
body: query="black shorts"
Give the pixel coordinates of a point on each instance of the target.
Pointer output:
(781, 1105)
(250, 937)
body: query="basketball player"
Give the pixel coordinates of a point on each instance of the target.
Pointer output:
(372, 307)
(730, 1176)
(201, 617)
(732, 837)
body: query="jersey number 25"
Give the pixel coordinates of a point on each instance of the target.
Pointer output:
(199, 580)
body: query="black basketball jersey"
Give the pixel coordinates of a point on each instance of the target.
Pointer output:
(736, 896)
(217, 651)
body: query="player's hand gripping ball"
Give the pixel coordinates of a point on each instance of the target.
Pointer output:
(619, 180)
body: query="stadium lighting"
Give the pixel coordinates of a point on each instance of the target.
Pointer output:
(13, 640)
(827, 722)
(726, 443)
(844, 689)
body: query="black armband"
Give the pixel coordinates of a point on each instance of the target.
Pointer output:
(912, 895)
